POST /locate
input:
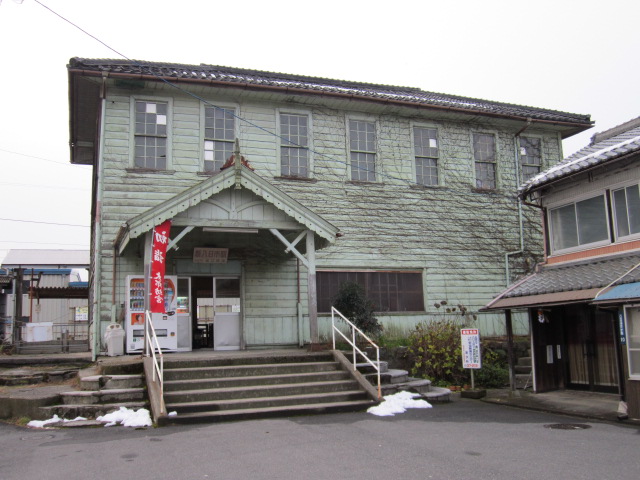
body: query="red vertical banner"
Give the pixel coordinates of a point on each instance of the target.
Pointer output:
(158, 257)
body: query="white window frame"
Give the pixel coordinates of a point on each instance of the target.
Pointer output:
(613, 189)
(133, 135)
(203, 107)
(627, 320)
(440, 171)
(282, 143)
(584, 246)
(522, 165)
(495, 161)
(376, 152)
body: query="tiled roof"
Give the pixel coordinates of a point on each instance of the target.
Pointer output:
(256, 78)
(583, 275)
(605, 147)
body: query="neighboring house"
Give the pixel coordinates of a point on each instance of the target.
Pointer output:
(411, 194)
(583, 300)
(45, 298)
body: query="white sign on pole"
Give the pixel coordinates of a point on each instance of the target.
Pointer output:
(470, 348)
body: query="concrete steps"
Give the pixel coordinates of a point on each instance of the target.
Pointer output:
(523, 369)
(99, 395)
(394, 381)
(224, 389)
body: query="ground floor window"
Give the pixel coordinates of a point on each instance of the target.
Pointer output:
(389, 291)
(633, 342)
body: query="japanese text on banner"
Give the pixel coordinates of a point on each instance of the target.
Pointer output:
(158, 256)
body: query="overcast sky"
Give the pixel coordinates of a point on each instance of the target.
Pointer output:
(578, 56)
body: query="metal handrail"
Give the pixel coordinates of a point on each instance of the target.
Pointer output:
(352, 341)
(150, 345)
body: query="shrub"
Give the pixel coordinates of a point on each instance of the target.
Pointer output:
(351, 300)
(436, 352)
(493, 373)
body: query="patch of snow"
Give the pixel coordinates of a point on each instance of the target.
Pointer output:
(172, 414)
(54, 419)
(127, 418)
(398, 403)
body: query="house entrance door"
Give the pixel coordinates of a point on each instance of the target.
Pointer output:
(591, 351)
(226, 313)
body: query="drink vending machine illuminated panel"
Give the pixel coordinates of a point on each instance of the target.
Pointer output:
(165, 325)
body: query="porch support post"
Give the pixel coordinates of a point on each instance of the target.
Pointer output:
(510, 357)
(311, 288)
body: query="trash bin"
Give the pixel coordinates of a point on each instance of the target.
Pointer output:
(114, 338)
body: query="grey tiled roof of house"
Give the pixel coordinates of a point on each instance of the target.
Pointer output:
(607, 146)
(592, 273)
(257, 78)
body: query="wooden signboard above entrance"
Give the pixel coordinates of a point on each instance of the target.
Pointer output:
(210, 255)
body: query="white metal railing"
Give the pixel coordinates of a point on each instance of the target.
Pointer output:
(150, 345)
(354, 344)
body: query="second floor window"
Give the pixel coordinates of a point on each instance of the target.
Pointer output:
(219, 137)
(484, 154)
(530, 157)
(580, 223)
(294, 151)
(626, 202)
(425, 142)
(362, 136)
(151, 135)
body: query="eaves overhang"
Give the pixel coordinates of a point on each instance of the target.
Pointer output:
(230, 178)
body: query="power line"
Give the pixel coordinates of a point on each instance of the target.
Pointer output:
(44, 223)
(66, 164)
(31, 185)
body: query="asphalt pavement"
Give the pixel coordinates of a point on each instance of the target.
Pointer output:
(464, 439)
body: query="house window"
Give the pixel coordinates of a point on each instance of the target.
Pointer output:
(425, 143)
(151, 135)
(362, 136)
(389, 291)
(578, 224)
(626, 202)
(633, 341)
(530, 157)
(219, 137)
(484, 153)
(294, 148)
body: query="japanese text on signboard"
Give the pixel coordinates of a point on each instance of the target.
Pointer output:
(470, 348)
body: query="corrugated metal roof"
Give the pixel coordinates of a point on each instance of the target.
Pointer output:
(46, 259)
(256, 78)
(604, 148)
(625, 292)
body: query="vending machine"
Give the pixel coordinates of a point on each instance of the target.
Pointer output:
(165, 324)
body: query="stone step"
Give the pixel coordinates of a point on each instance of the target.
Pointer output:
(524, 361)
(109, 382)
(247, 381)
(278, 401)
(266, 412)
(171, 362)
(366, 368)
(248, 370)
(522, 369)
(93, 397)
(242, 392)
(88, 411)
(523, 380)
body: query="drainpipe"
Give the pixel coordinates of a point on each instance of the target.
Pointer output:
(97, 270)
(520, 220)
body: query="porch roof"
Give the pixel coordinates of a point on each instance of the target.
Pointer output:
(240, 176)
(620, 294)
(569, 282)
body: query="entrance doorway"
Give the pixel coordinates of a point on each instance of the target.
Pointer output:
(217, 311)
(591, 351)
